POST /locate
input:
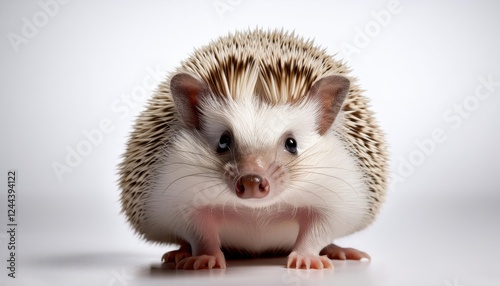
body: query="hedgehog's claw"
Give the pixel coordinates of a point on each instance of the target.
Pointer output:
(177, 255)
(202, 262)
(303, 261)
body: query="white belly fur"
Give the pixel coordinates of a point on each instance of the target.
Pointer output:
(257, 234)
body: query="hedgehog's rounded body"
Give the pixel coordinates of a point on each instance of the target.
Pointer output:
(275, 69)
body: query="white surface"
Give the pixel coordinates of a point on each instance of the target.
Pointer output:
(440, 225)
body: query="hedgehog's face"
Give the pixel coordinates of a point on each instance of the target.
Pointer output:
(256, 149)
(257, 143)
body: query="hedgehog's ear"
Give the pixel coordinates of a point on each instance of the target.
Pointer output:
(187, 92)
(330, 92)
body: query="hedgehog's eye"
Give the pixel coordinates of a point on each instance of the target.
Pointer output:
(291, 145)
(224, 142)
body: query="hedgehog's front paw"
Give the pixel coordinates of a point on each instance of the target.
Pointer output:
(202, 262)
(308, 261)
(336, 252)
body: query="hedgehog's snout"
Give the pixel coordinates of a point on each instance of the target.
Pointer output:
(252, 186)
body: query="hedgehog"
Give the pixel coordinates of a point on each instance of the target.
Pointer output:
(258, 144)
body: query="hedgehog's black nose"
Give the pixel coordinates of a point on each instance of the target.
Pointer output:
(252, 187)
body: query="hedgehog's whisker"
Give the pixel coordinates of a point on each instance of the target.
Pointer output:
(202, 182)
(234, 160)
(305, 155)
(306, 172)
(303, 189)
(223, 190)
(214, 160)
(319, 185)
(327, 167)
(204, 175)
(327, 175)
(211, 186)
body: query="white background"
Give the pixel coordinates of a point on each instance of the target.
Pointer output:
(439, 226)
